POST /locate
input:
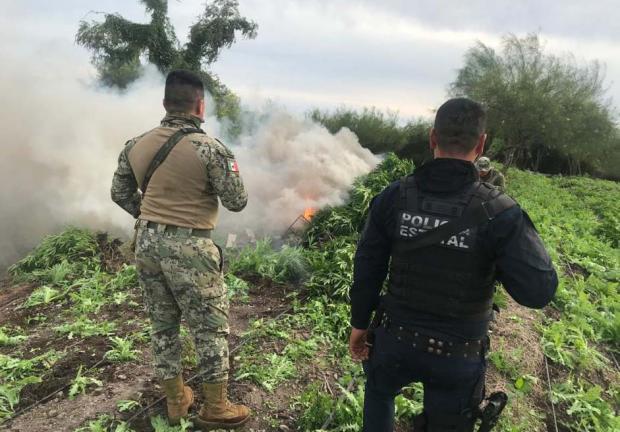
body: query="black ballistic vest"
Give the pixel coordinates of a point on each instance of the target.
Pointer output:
(449, 277)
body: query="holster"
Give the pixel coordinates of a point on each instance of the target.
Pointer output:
(489, 415)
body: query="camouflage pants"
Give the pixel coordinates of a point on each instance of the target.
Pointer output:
(181, 275)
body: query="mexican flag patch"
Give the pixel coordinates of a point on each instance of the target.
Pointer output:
(233, 166)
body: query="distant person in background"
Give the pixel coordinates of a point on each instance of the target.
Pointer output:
(490, 175)
(179, 266)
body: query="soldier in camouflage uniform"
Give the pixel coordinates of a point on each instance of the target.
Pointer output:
(179, 266)
(488, 174)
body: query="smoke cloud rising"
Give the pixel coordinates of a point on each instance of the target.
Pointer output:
(62, 135)
(290, 164)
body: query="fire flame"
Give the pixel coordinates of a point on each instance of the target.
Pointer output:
(309, 213)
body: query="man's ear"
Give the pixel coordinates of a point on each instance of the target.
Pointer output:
(432, 139)
(200, 108)
(479, 149)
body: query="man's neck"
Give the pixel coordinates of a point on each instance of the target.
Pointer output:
(181, 119)
(438, 154)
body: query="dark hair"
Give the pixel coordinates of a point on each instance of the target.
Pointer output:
(183, 90)
(459, 122)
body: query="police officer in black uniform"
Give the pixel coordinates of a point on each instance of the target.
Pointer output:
(445, 238)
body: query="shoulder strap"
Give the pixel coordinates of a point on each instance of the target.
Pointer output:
(484, 206)
(163, 153)
(407, 192)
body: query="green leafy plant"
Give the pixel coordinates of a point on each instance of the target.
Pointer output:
(10, 337)
(100, 424)
(42, 295)
(237, 287)
(122, 350)
(267, 370)
(125, 279)
(81, 382)
(127, 405)
(160, 424)
(105, 423)
(71, 246)
(285, 265)
(317, 406)
(332, 268)
(10, 392)
(120, 298)
(506, 362)
(16, 373)
(586, 407)
(85, 327)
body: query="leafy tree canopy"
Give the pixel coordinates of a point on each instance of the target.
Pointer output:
(120, 47)
(545, 112)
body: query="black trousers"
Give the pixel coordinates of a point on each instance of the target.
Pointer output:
(451, 386)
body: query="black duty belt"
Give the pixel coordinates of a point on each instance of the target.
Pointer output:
(433, 345)
(206, 233)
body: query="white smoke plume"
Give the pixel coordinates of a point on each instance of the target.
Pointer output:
(290, 164)
(61, 136)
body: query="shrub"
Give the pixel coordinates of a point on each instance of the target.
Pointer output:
(71, 246)
(286, 265)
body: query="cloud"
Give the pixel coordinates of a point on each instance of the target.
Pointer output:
(394, 54)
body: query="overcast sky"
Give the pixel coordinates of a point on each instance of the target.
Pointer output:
(398, 54)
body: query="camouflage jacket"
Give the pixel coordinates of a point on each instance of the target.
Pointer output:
(495, 178)
(222, 173)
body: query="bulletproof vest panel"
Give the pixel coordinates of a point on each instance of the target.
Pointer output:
(179, 192)
(449, 278)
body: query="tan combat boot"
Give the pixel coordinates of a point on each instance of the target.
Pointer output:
(217, 412)
(179, 398)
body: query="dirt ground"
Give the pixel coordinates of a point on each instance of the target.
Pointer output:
(125, 380)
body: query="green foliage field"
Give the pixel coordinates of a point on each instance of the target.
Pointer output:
(578, 220)
(579, 333)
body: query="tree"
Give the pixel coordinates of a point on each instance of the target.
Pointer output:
(120, 46)
(544, 112)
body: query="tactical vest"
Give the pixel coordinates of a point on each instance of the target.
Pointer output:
(449, 277)
(179, 192)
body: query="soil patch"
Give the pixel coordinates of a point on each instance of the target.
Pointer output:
(10, 298)
(63, 414)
